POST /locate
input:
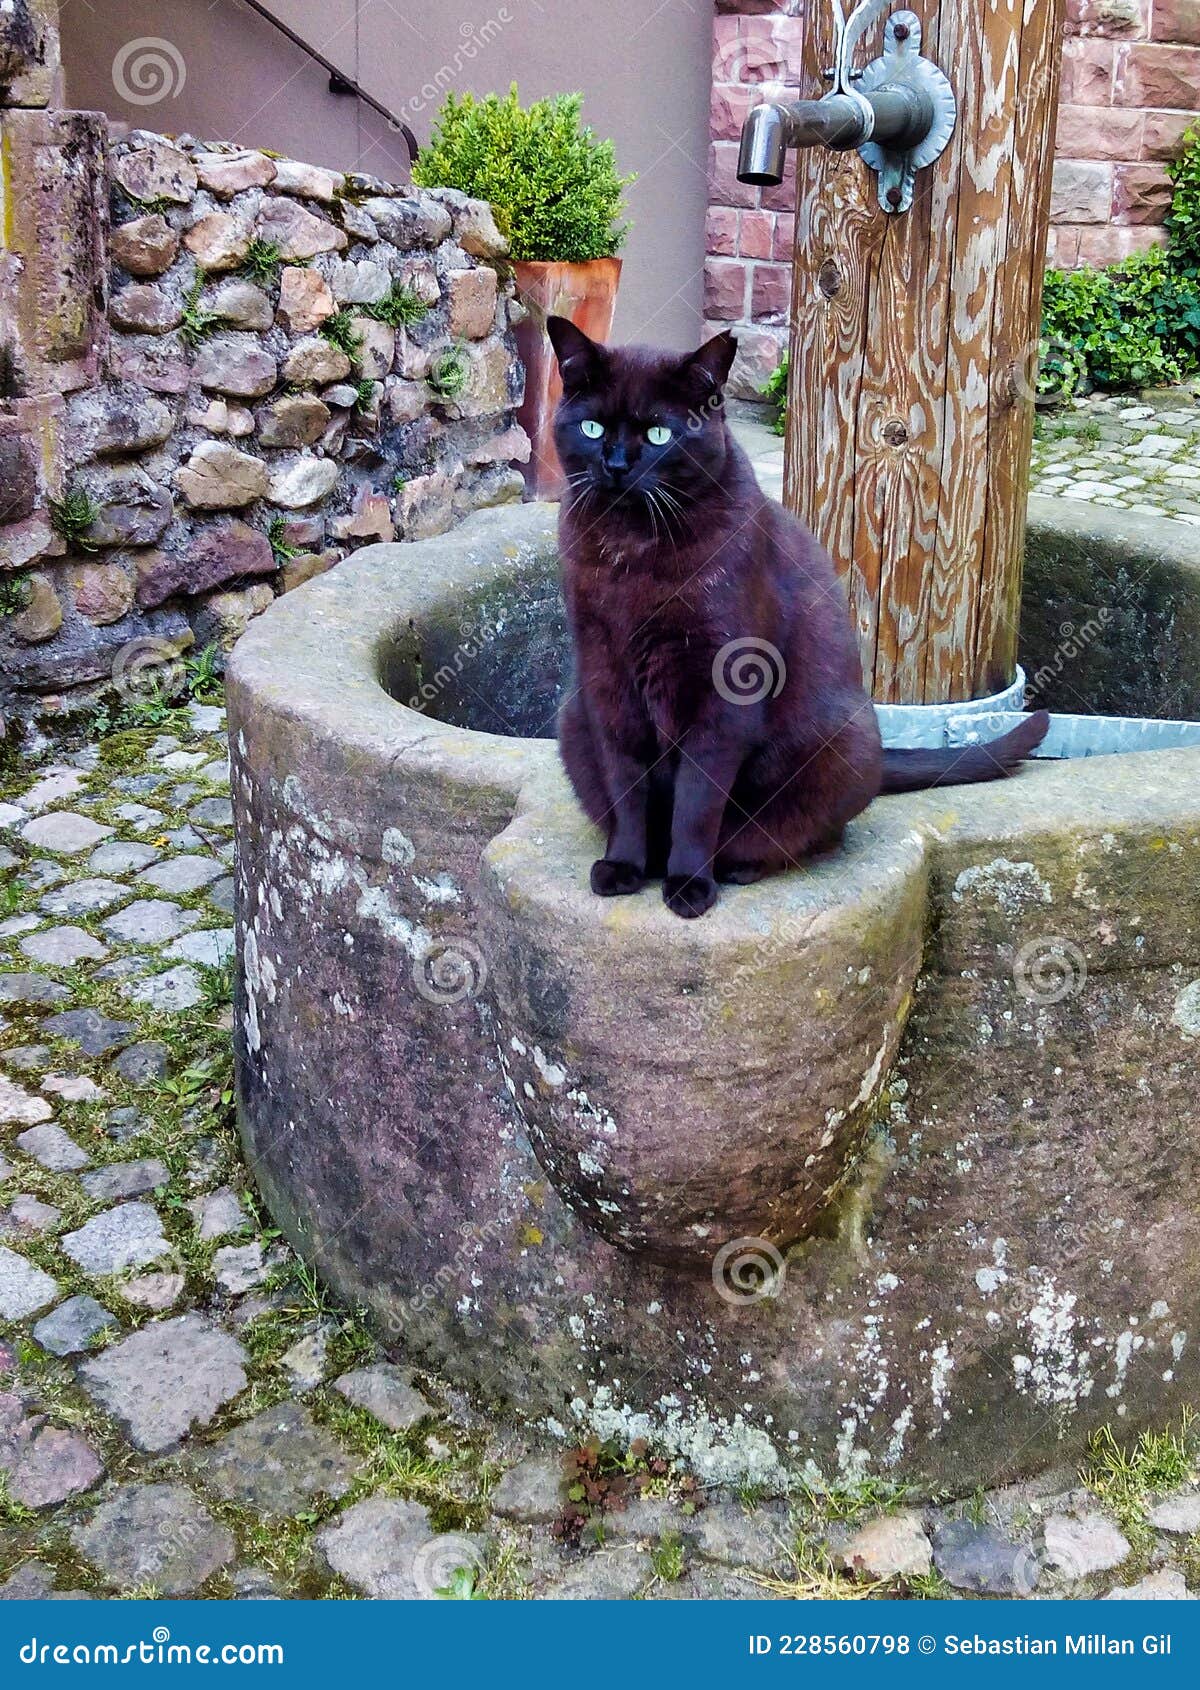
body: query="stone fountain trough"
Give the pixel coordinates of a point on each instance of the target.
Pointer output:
(889, 1165)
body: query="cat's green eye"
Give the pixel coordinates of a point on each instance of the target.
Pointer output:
(593, 430)
(658, 435)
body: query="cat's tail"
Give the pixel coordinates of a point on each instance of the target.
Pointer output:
(913, 771)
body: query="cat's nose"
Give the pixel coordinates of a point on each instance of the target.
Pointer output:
(616, 468)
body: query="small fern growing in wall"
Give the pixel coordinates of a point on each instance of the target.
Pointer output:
(14, 596)
(400, 309)
(261, 263)
(339, 331)
(72, 516)
(280, 549)
(197, 322)
(449, 372)
(364, 394)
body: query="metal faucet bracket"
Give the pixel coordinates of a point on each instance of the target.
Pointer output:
(898, 112)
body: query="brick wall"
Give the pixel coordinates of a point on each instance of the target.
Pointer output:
(1131, 87)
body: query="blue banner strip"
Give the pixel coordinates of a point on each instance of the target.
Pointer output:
(628, 1644)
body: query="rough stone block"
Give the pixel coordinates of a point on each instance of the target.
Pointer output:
(725, 289)
(1099, 132)
(1087, 73)
(1154, 75)
(770, 292)
(1163, 134)
(1141, 193)
(1081, 192)
(1176, 21)
(721, 231)
(28, 52)
(756, 234)
(146, 246)
(55, 216)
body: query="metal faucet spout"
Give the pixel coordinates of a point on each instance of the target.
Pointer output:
(764, 146)
(898, 118)
(899, 111)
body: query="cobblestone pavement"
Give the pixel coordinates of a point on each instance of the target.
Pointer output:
(184, 1411)
(1137, 454)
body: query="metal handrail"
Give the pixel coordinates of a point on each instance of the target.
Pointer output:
(346, 82)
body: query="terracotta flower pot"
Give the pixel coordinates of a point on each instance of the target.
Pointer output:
(587, 294)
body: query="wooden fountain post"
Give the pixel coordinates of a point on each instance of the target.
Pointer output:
(914, 355)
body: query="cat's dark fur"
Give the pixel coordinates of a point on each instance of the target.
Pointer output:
(677, 569)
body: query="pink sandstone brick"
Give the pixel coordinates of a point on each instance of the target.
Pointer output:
(752, 56)
(1110, 243)
(1062, 246)
(782, 198)
(1127, 19)
(725, 287)
(785, 237)
(730, 103)
(725, 31)
(1141, 193)
(1178, 21)
(1081, 191)
(756, 235)
(1087, 73)
(723, 185)
(1099, 132)
(1149, 75)
(721, 231)
(770, 291)
(1164, 131)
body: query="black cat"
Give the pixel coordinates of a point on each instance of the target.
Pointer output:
(719, 730)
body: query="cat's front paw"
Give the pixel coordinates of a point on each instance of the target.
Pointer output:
(689, 895)
(612, 879)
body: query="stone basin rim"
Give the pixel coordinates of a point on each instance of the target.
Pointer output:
(522, 1323)
(344, 624)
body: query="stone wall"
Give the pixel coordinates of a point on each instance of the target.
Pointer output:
(201, 404)
(1130, 91)
(1131, 88)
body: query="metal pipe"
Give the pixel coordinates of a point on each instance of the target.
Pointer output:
(903, 117)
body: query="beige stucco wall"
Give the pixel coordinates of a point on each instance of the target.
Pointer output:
(645, 73)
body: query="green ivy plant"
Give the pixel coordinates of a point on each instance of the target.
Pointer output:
(1120, 327)
(554, 187)
(776, 393)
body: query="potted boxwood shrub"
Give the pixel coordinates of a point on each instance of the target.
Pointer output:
(557, 196)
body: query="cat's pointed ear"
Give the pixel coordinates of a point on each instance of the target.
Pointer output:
(580, 359)
(707, 370)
